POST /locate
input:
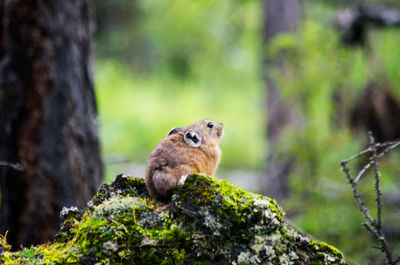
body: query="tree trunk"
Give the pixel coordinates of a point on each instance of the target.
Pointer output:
(48, 116)
(279, 16)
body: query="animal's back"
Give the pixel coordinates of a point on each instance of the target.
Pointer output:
(173, 158)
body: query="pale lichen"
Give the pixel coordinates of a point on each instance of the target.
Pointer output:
(115, 206)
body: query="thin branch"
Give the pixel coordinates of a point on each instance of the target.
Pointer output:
(15, 166)
(391, 147)
(370, 229)
(374, 162)
(357, 155)
(362, 171)
(356, 195)
(377, 145)
(377, 247)
(372, 226)
(384, 247)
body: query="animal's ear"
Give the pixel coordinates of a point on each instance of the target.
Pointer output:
(174, 130)
(192, 139)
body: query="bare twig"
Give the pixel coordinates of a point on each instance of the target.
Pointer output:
(389, 148)
(377, 145)
(373, 226)
(356, 155)
(357, 196)
(362, 171)
(391, 145)
(15, 166)
(374, 161)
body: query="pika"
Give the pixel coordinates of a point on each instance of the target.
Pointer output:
(190, 150)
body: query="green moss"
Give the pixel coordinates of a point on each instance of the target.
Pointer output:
(207, 222)
(324, 247)
(44, 254)
(4, 246)
(316, 263)
(123, 185)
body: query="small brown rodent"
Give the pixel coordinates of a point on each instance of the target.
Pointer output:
(190, 150)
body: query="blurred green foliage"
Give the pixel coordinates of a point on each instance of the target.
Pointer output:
(162, 64)
(136, 112)
(192, 64)
(322, 80)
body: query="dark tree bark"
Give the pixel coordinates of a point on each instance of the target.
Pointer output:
(279, 16)
(48, 115)
(378, 111)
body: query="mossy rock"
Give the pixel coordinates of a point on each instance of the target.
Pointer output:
(207, 222)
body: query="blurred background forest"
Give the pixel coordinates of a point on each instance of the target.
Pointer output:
(161, 64)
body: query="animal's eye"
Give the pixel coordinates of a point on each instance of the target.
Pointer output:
(210, 125)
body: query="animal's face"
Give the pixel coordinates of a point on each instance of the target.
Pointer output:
(203, 132)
